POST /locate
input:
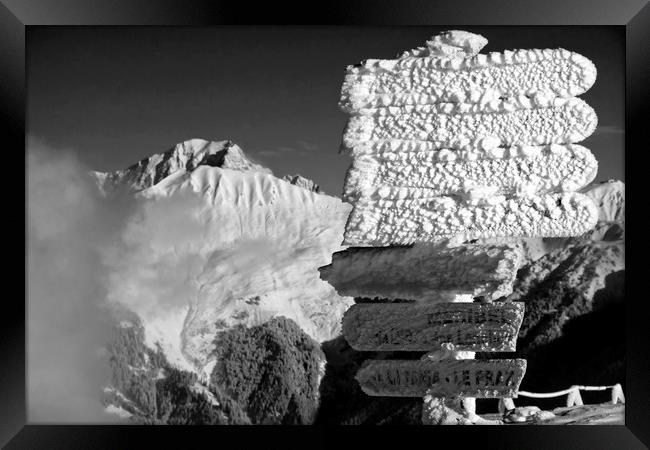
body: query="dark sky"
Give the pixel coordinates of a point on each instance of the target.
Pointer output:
(115, 95)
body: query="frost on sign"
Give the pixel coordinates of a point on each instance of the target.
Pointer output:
(450, 146)
(463, 378)
(425, 273)
(412, 327)
(448, 143)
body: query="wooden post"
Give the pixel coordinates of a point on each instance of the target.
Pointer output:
(574, 397)
(617, 394)
(506, 404)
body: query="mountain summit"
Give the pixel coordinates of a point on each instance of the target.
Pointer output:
(185, 156)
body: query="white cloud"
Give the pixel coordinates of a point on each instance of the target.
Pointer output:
(67, 322)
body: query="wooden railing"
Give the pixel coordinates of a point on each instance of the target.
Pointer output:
(572, 393)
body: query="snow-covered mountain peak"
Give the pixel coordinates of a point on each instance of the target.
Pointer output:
(183, 157)
(218, 241)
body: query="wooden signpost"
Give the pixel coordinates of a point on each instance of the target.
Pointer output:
(440, 169)
(487, 327)
(462, 378)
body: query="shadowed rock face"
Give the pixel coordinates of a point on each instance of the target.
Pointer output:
(303, 182)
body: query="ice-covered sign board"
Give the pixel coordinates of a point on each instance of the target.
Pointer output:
(463, 378)
(489, 327)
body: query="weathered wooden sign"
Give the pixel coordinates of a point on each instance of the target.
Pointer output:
(489, 327)
(426, 273)
(494, 378)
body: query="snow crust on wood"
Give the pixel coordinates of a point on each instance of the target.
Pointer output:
(510, 170)
(459, 76)
(447, 43)
(449, 124)
(424, 273)
(406, 221)
(450, 146)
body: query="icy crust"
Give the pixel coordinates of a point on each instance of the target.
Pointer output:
(507, 171)
(447, 43)
(460, 78)
(425, 273)
(448, 125)
(403, 222)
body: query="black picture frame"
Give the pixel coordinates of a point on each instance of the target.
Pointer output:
(634, 15)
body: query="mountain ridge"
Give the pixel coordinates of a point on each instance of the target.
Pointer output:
(184, 157)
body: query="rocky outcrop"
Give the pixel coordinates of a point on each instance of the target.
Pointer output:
(303, 182)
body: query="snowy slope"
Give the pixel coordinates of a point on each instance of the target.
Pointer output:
(212, 247)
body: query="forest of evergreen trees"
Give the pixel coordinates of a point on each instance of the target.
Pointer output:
(266, 375)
